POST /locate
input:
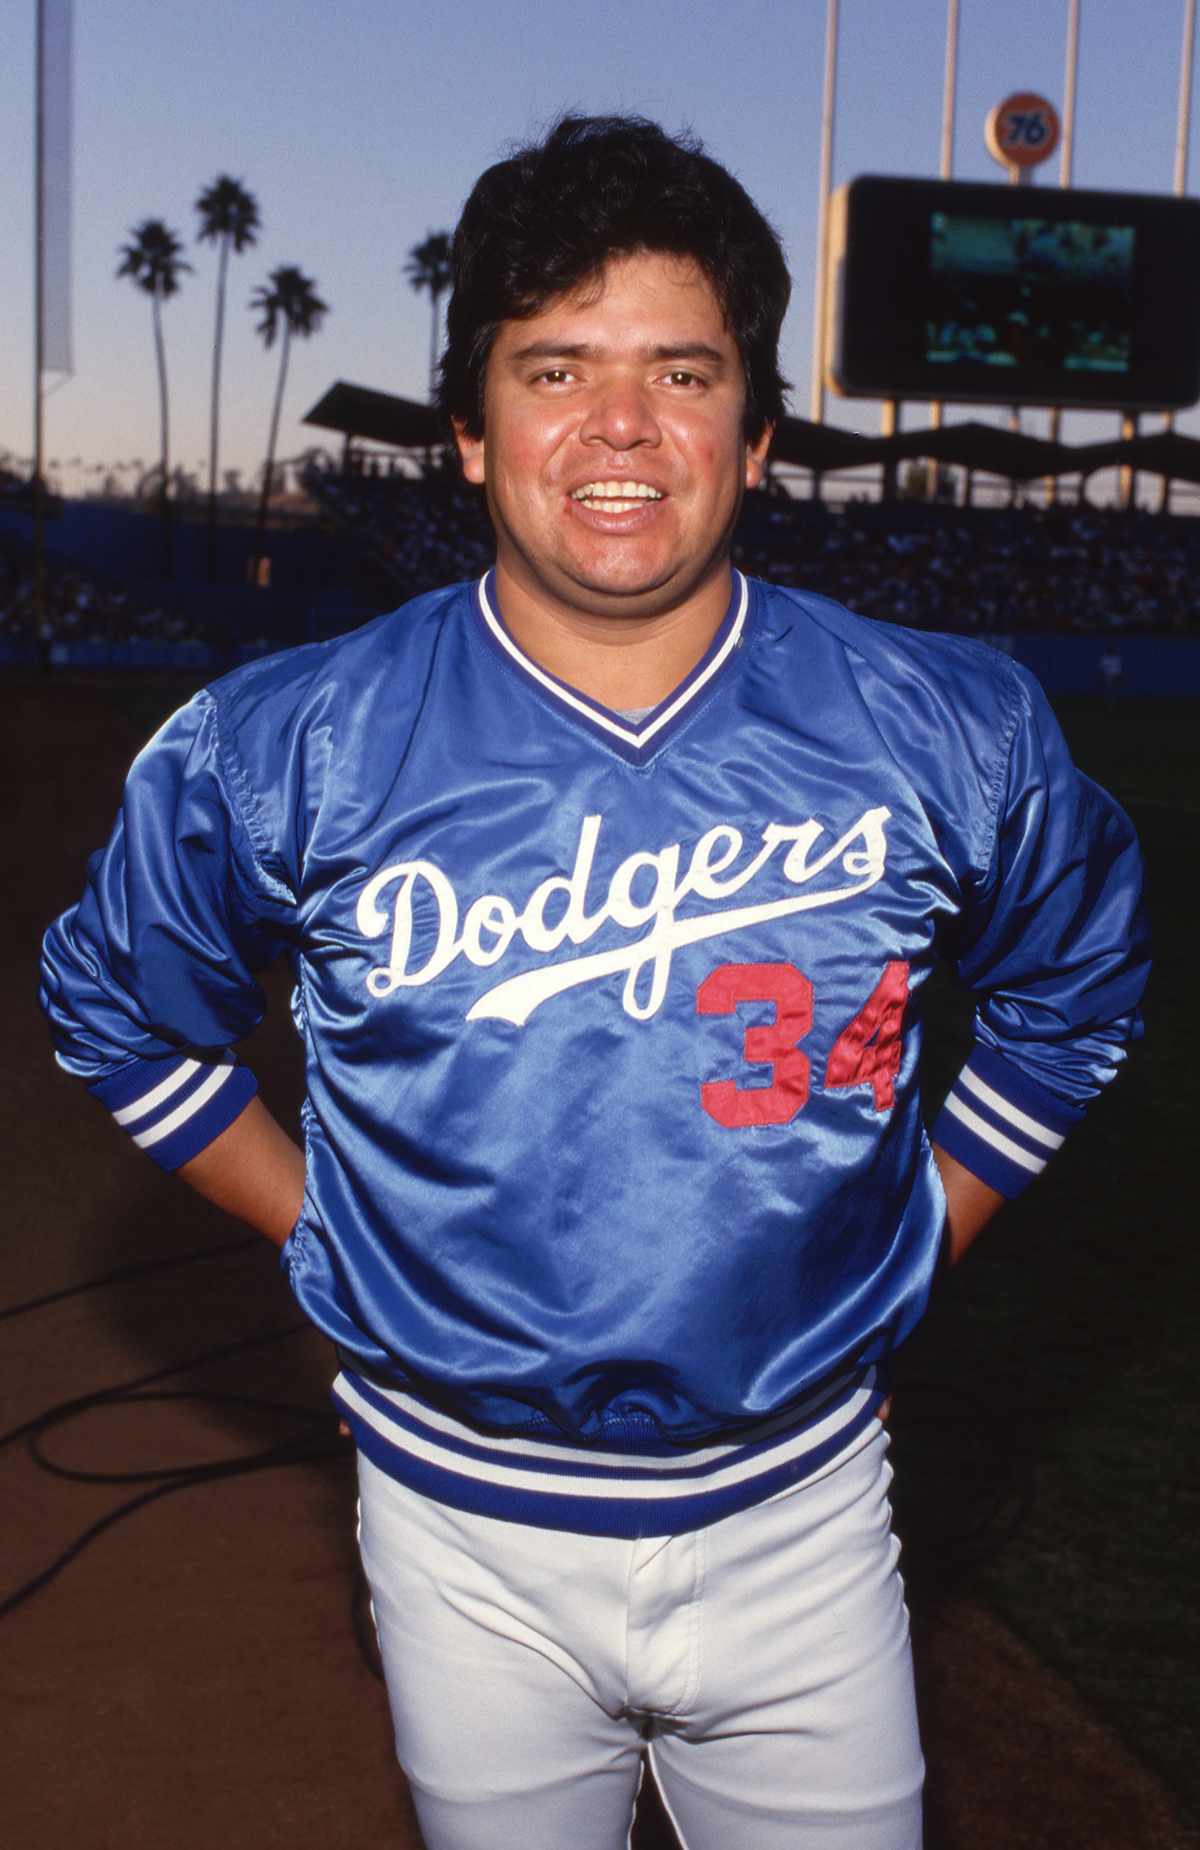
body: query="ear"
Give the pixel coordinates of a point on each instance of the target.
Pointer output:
(756, 456)
(470, 453)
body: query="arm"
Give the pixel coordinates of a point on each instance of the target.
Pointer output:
(970, 1203)
(1052, 941)
(151, 978)
(254, 1171)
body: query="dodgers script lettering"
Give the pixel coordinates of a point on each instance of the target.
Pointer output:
(644, 895)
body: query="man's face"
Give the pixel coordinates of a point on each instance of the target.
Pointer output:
(614, 453)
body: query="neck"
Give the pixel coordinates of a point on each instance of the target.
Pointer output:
(618, 661)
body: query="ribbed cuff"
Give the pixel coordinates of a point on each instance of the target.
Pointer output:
(1001, 1125)
(173, 1109)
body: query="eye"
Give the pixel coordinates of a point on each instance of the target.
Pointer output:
(683, 377)
(553, 375)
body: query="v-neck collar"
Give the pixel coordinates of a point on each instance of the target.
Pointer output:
(634, 740)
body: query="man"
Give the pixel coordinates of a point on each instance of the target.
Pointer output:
(611, 884)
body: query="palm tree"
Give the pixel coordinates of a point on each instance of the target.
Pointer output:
(287, 298)
(153, 260)
(428, 268)
(229, 218)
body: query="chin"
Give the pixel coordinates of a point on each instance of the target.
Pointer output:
(628, 598)
(632, 579)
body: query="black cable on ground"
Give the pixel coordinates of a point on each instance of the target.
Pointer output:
(165, 1473)
(292, 1452)
(81, 1402)
(132, 1270)
(930, 1543)
(324, 1444)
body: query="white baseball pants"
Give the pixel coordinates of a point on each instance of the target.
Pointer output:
(762, 1662)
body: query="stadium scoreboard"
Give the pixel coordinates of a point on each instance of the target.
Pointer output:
(993, 294)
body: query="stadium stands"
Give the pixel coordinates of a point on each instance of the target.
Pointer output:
(979, 570)
(84, 622)
(1008, 573)
(988, 571)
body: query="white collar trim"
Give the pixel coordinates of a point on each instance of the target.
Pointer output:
(600, 716)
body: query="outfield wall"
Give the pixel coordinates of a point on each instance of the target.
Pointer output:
(1071, 664)
(1065, 665)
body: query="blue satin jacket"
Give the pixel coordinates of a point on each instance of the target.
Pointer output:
(618, 1191)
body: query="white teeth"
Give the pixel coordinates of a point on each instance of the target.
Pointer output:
(619, 496)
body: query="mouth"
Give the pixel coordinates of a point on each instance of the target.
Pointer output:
(615, 497)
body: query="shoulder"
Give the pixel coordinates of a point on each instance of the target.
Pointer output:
(304, 706)
(383, 658)
(291, 728)
(947, 668)
(912, 686)
(944, 712)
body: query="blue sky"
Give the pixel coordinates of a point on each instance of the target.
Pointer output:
(362, 127)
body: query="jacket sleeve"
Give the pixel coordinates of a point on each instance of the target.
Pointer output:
(1053, 940)
(150, 978)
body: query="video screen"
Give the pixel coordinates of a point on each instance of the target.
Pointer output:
(1049, 297)
(972, 292)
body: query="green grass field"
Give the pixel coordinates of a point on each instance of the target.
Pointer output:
(1046, 1442)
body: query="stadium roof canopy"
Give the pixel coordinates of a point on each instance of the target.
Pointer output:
(806, 445)
(988, 447)
(974, 445)
(357, 411)
(1163, 452)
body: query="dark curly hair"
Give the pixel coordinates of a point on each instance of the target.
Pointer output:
(549, 218)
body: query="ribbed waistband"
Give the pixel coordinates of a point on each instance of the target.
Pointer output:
(595, 1491)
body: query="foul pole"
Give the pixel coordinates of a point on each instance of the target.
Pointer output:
(52, 134)
(39, 290)
(1183, 126)
(1183, 131)
(1066, 168)
(946, 158)
(1070, 78)
(824, 183)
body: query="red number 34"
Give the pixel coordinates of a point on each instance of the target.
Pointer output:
(866, 1052)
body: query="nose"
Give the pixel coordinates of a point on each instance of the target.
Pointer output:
(621, 415)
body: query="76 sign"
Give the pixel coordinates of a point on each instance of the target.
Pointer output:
(1022, 130)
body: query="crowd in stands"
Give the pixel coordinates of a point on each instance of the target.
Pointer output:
(424, 533)
(985, 571)
(988, 572)
(996, 572)
(76, 609)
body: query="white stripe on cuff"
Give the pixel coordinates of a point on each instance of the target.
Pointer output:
(989, 1134)
(189, 1107)
(129, 1114)
(1003, 1109)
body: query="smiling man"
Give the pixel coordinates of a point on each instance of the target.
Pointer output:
(611, 884)
(614, 453)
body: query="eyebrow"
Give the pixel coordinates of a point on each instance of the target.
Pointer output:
(584, 350)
